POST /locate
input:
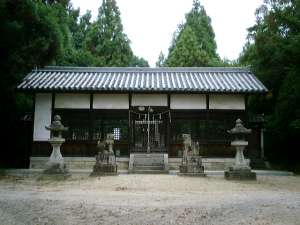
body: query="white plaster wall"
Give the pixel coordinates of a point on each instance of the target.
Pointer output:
(188, 101)
(110, 101)
(42, 117)
(72, 101)
(225, 101)
(149, 100)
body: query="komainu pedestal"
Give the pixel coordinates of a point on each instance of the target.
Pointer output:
(240, 170)
(105, 159)
(191, 164)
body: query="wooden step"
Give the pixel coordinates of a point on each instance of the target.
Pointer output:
(159, 167)
(151, 172)
(148, 163)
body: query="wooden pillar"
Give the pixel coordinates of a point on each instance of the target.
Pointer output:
(91, 118)
(262, 144)
(129, 125)
(207, 101)
(32, 129)
(52, 105)
(168, 131)
(207, 118)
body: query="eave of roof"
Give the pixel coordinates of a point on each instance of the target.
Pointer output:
(140, 69)
(143, 79)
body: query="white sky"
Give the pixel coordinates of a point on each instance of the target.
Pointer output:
(150, 24)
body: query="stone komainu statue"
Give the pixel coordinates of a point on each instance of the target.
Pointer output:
(187, 144)
(191, 163)
(105, 159)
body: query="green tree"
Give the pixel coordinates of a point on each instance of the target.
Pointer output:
(161, 60)
(76, 57)
(33, 34)
(79, 27)
(139, 62)
(203, 34)
(75, 53)
(187, 51)
(273, 51)
(106, 39)
(200, 23)
(85, 48)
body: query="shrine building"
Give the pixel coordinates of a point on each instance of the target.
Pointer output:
(147, 110)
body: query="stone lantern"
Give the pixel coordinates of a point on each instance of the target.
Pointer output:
(240, 170)
(56, 164)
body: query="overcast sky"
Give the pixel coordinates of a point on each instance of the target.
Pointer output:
(150, 24)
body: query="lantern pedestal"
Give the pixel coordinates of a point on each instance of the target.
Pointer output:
(239, 175)
(240, 170)
(56, 164)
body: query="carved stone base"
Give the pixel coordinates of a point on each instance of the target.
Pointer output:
(54, 176)
(239, 175)
(192, 174)
(191, 170)
(56, 169)
(105, 170)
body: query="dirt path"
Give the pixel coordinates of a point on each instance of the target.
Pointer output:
(150, 199)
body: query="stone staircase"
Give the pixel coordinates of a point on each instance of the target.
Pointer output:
(152, 163)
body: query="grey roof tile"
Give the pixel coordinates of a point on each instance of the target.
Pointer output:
(174, 79)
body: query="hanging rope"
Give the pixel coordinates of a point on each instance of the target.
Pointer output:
(141, 115)
(154, 114)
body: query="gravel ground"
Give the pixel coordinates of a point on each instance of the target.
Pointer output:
(150, 199)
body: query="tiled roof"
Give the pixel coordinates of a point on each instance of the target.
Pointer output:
(137, 79)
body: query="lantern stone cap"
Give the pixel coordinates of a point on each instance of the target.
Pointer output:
(239, 128)
(56, 125)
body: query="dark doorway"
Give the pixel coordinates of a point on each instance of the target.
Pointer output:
(149, 127)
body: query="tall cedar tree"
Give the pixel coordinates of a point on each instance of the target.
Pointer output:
(106, 39)
(273, 51)
(75, 54)
(33, 34)
(161, 60)
(138, 62)
(187, 51)
(200, 24)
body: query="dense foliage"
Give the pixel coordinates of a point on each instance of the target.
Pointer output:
(36, 33)
(33, 33)
(193, 43)
(106, 39)
(187, 51)
(273, 51)
(98, 43)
